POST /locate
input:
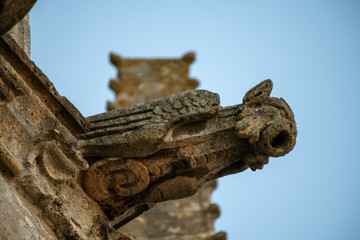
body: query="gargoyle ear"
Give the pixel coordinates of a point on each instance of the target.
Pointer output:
(189, 57)
(116, 60)
(259, 93)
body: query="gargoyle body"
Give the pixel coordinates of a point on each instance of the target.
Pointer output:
(168, 148)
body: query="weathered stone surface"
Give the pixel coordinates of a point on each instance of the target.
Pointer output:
(188, 218)
(137, 79)
(40, 159)
(12, 11)
(17, 221)
(39, 84)
(21, 34)
(181, 142)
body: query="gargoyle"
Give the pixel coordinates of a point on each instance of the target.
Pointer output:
(155, 151)
(169, 147)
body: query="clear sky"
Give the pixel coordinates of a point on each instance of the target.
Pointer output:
(311, 51)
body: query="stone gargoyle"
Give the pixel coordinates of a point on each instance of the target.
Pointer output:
(169, 147)
(125, 159)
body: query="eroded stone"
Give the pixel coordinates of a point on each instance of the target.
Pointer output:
(199, 144)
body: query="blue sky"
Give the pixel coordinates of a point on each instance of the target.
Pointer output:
(311, 51)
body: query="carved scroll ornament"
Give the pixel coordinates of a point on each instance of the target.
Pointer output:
(168, 148)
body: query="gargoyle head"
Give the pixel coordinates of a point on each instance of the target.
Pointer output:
(267, 123)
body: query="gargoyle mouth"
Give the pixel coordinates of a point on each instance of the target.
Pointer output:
(278, 139)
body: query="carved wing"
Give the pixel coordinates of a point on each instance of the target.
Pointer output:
(137, 131)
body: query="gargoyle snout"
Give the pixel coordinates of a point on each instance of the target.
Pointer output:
(279, 138)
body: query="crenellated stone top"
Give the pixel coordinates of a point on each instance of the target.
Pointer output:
(136, 79)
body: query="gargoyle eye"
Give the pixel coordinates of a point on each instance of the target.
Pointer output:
(259, 94)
